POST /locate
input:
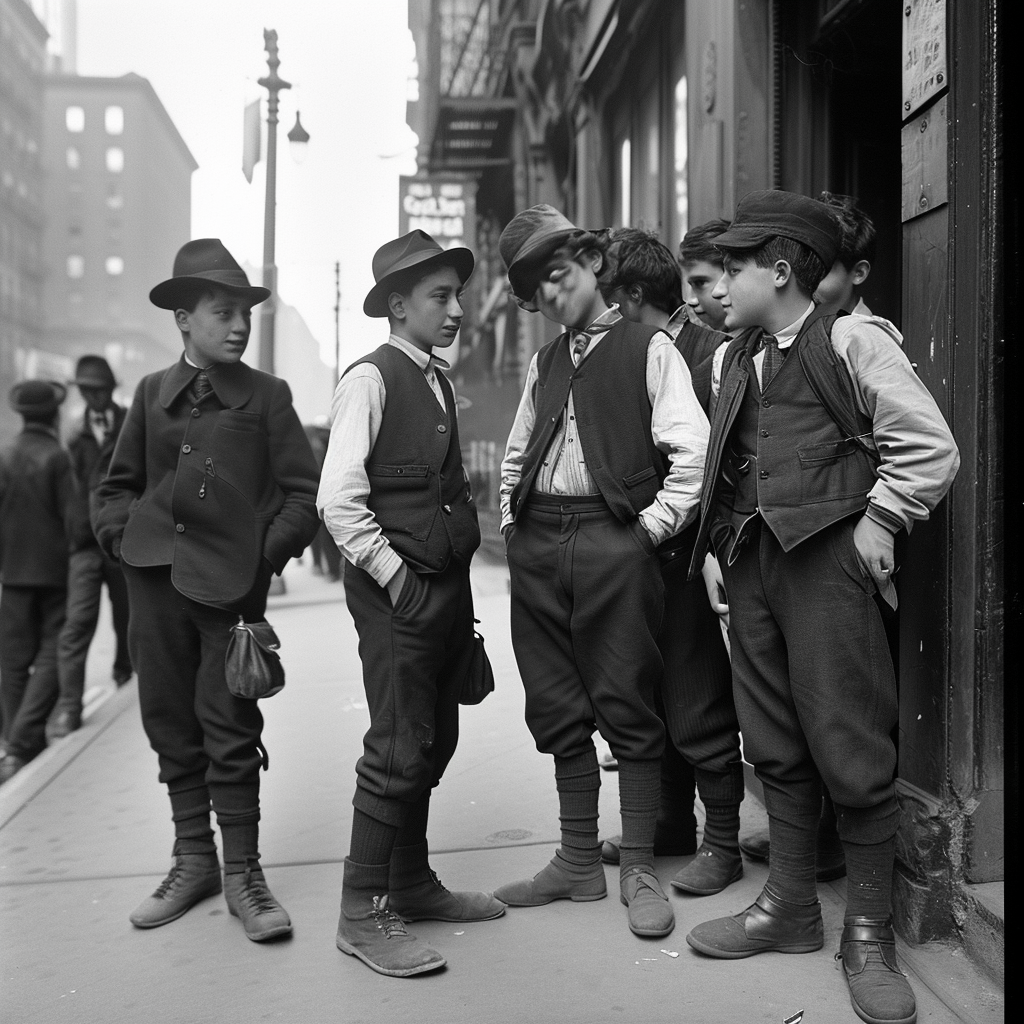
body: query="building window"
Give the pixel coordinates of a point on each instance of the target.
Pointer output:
(113, 120)
(625, 168)
(682, 197)
(74, 159)
(115, 160)
(114, 266)
(74, 118)
(76, 266)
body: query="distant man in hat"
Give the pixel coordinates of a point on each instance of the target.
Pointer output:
(210, 491)
(37, 489)
(91, 447)
(395, 498)
(824, 445)
(602, 465)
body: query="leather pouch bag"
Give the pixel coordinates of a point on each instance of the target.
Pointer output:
(479, 680)
(252, 665)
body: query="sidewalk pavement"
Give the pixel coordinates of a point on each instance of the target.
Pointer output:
(85, 835)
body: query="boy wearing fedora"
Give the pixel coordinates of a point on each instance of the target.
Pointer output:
(210, 491)
(824, 445)
(37, 489)
(395, 498)
(91, 447)
(602, 465)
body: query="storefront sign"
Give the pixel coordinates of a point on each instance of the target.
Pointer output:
(443, 207)
(924, 53)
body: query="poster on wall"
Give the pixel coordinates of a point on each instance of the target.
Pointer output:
(924, 53)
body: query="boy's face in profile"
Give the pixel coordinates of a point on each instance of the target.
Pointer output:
(430, 314)
(747, 293)
(700, 278)
(217, 330)
(836, 289)
(568, 292)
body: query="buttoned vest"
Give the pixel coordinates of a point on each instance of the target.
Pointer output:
(418, 490)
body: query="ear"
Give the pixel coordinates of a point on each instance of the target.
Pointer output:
(861, 269)
(636, 294)
(396, 305)
(783, 273)
(181, 320)
(596, 262)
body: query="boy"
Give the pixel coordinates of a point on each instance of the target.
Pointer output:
(802, 513)
(395, 498)
(695, 696)
(840, 287)
(602, 465)
(702, 267)
(37, 488)
(210, 491)
(91, 447)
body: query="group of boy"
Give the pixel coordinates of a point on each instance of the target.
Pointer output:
(659, 476)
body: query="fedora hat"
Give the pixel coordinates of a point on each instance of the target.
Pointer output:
(204, 261)
(528, 240)
(37, 399)
(94, 372)
(416, 249)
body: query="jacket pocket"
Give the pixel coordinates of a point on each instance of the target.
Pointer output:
(397, 478)
(638, 478)
(238, 419)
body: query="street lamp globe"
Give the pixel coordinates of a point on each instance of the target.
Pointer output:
(299, 139)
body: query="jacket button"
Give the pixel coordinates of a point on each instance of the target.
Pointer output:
(195, 412)
(447, 509)
(180, 528)
(764, 474)
(764, 433)
(186, 448)
(767, 403)
(442, 429)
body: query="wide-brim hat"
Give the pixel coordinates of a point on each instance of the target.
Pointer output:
(37, 397)
(528, 241)
(771, 213)
(415, 249)
(94, 372)
(204, 261)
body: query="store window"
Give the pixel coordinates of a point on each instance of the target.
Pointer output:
(76, 266)
(115, 160)
(113, 120)
(74, 119)
(114, 266)
(74, 159)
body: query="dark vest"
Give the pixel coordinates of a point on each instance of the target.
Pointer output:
(792, 454)
(418, 490)
(613, 413)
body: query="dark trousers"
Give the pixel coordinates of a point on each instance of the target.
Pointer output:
(197, 728)
(587, 602)
(813, 681)
(415, 657)
(30, 623)
(88, 570)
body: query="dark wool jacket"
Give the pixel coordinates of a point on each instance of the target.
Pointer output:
(210, 488)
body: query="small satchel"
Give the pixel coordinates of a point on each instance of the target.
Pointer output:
(252, 665)
(479, 679)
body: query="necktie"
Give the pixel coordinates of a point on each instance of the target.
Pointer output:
(201, 386)
(773, 357)
(100, 425)
(579, 346)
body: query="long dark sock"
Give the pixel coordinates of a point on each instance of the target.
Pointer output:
(372, 840)
(639, 794)
(721, 794)
(792, 829)
(190, 812)
(415, 828)
(868, 878)
(578, 781)
(828, 836)
(676, 820)
(238, 815)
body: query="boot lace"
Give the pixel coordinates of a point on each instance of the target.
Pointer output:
(386, 919)
(437, 881)
(256, 893)
(168, 883)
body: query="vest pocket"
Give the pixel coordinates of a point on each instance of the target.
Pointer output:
(832, 471)
(638, 478)
(830, 452)
(397, 478)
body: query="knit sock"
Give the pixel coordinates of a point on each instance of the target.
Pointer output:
(372, 840)
(721, 794)
(828, 836)
(868, 878)
(638, 804)
(415, 828)
(238, 815)
(190, 812)
(578, 781)
(791, 868)
(676, 820)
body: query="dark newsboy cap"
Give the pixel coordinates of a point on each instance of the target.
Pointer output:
(204, 261)
(94, 372)
(772, 213)
(528, 241)
(37, 398)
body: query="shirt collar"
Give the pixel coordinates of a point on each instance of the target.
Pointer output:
(426, 361)
(787, 335)
(677, 321)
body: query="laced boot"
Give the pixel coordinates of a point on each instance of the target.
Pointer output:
(416, 893)
(369, 929)
(193, 877)
(650, 913)
(879, 990)
(250, 900)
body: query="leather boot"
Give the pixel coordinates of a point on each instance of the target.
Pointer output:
(250, 900)
(767, 924)
(650, 913)
(879, 990)
(558, 880)
(416, 893)
(193, 877)
(370, 930)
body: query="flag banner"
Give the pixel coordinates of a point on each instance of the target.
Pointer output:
(251, 139)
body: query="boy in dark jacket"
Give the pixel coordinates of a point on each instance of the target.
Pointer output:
(210, 491)
(395, 498)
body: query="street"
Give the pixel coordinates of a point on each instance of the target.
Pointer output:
(85, 834)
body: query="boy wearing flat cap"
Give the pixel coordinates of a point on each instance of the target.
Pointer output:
(396, 500)
(210, 491)
(824, 444)
(37, 489)
(602, 465)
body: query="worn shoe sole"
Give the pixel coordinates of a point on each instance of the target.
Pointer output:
(403, 972)
(215, 888)
(415, 916)
(740, 954)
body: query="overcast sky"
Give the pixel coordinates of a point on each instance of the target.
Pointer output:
(348, 62)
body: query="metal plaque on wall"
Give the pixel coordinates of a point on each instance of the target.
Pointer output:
(924, 53)
(925, 163)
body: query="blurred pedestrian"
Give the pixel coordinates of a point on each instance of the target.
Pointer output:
(91, 447)
(210, 491)
(323, 551)
(37, 488)
(395, 498)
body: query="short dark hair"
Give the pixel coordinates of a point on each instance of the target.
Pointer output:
(807, 266)
(857, 241)
(639, 258)
(405, 280)
(698, 244)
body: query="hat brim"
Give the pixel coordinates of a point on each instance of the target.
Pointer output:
(524, 274)
(741, 238)
(459, 258)
(168, 294)
(21, 407)
(91, 382)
